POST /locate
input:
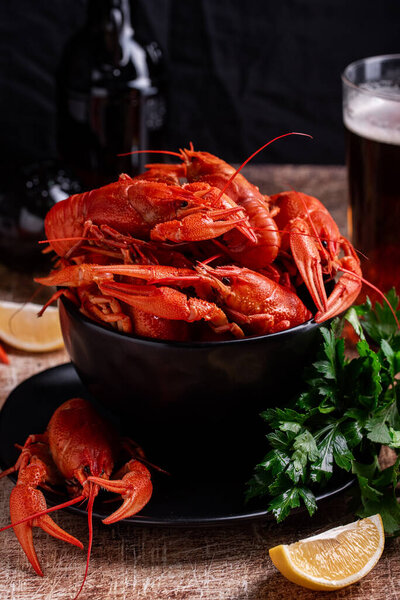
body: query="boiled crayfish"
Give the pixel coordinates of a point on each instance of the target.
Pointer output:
(136, 253)
(79, 451)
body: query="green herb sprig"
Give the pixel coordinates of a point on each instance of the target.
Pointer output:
(348, 410)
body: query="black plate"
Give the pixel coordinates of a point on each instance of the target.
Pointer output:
(176, 501)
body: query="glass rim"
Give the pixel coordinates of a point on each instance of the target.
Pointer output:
(370, 59)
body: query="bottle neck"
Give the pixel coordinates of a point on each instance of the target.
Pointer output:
(103, 14)
(109, 24)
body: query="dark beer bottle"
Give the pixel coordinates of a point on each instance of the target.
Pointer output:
(27, 193)
(111, 96)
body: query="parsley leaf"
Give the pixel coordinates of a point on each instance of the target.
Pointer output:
(347, 410)
(377, 491)
(378, 321)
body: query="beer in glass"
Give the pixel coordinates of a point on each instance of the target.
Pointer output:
(371, 114)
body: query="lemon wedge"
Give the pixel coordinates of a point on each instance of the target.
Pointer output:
(22, 329)
(333, 559)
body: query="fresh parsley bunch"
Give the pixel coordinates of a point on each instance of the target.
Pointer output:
(349, 409)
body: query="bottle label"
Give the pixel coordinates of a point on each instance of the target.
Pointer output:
(102, 124)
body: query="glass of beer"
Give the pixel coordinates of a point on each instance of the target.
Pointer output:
(371, 114)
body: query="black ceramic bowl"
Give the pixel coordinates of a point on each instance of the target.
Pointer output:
(191, 405)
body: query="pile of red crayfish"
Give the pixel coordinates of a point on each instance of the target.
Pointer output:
(194, 251)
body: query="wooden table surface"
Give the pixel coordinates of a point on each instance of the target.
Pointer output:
(147, 563)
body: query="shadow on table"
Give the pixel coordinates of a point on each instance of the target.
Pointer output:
(239, 545)
(276, 587)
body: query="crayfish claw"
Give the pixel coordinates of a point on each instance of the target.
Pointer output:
(135, 488)
(307, 255)
(24, 536)
(345, 291)
(49, 526)
(25, 501)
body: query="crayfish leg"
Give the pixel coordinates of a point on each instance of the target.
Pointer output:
(26, 453)
(3, 356)
(136, 452)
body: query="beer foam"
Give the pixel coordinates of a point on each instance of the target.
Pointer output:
(375, 118)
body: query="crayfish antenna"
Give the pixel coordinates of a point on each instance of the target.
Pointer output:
(92, 495)
(54, 297)
(45, 512)
(255, 153)
(151, 152)
(373, 287)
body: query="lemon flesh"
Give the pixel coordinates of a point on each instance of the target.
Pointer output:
(333, 559)
(22, 329)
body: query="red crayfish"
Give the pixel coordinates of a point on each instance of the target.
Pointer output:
(135, 254)
(79, 450)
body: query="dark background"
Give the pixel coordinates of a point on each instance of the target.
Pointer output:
(240, 72)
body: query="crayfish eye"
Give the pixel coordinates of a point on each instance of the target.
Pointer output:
(184, 204)
(86, 470)
(226, 281)
(325, 244)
